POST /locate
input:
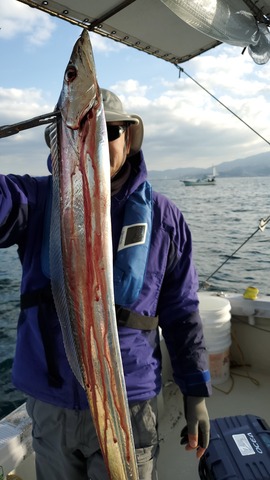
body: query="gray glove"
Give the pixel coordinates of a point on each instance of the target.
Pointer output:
(197, 422)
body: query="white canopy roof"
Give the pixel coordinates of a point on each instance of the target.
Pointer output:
(156, 28)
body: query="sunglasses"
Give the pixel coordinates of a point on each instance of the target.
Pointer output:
(115, 131)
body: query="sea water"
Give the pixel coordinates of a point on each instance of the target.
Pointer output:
(221, 219)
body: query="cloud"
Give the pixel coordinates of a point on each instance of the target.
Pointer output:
(19, 19)
(184, 126)
(25, 151)
(132, 94)
(21, 104)
(105, 45)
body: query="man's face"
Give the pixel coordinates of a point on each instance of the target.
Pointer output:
(119, 145)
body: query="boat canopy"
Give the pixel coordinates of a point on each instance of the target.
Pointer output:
(173, 30)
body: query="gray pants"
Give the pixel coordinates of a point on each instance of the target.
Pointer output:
(67, 448)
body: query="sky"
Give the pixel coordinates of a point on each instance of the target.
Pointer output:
(183, 125)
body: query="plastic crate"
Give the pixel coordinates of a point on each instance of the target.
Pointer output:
(239, 448)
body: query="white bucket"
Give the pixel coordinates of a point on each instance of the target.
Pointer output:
(216, 319)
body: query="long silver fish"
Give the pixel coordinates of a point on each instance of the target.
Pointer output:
(81, 257)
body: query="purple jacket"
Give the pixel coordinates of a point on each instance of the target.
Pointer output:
(169, 291)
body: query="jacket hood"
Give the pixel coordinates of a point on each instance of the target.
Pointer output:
(138, 175)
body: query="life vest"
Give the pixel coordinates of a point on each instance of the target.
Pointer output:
(130, 263)
(132, 253)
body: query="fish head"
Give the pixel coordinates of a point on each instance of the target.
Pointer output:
(80, 91)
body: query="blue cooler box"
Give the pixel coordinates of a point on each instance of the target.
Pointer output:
(239, 448)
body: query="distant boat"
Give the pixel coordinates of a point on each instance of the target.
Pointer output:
(205, 181)
(200, 182)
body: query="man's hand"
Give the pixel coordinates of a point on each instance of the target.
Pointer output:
(196, 433)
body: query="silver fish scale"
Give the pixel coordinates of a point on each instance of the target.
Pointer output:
(81, 259)
(56, 261)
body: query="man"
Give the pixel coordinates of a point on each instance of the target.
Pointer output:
(156, 287)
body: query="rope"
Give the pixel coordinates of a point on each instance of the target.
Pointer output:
(261, 227)
(181, 70)
(262, 222)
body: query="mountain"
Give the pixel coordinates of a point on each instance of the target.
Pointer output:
(253, 166)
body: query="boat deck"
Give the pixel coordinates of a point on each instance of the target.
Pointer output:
(247, 391)
(240, 395)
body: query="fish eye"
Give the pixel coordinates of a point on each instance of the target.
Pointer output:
(71, 73)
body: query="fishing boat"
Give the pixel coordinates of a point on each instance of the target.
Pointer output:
(205, 181)
(200, 182)
(240, 368)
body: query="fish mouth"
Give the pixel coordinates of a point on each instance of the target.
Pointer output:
(77, 121)
(88, 115)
